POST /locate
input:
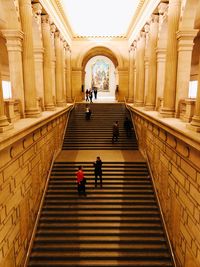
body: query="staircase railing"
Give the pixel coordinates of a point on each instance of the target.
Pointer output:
(38, 213)
(136, 135)
(160, 208)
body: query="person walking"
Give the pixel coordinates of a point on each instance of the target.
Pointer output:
(88, 112)
(87, 95)
(81, 181)
(98, 171)
(90, 95)
(128, 126)
(115, 132)
(95, 92)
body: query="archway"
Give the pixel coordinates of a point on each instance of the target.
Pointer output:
(101, 64)
(101, 76)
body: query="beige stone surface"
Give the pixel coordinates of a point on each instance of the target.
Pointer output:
(106, 155)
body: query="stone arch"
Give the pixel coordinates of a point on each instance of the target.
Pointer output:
(189, 14)
(90, 52)
(9, 15)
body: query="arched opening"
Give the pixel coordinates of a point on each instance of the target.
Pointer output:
(100, 73)
(101, 77)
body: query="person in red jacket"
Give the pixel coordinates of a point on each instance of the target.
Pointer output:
(80, 181)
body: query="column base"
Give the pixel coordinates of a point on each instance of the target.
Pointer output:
(32, 113)
(193, 128)
(130, 100)
(149, 107)
(138, 104)
(69, 100)
(167, 113)
(50, 107)
(6, 128)
(61, 104)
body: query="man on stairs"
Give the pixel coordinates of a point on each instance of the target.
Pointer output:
(98, 171)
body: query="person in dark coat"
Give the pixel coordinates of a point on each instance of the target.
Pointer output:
(115, 132)
(98, 171)
(128, 126)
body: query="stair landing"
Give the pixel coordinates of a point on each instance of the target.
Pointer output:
(105, 155)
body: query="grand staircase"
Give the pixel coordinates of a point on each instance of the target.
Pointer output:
(117, 225)
(96, 133)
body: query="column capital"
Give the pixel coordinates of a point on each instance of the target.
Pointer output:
(186, 39)
(186, 34)
(14, 39)
(45, 19)
(37, 8)
(162, 8)
(154, 18)
(57, 34)
(53, 28)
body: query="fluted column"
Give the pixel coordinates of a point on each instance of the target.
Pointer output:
(4, 124)
(31, 108)
(139, 101)
(59, 80)
(131, 74)
(38, 53)
(195, 123)
(47, 66)
(161, 53)
(168, 109)
(62, 43)
(53, 62)
(151, 91)
(146, 61)
(69, 74)
(14, 47)
(185, 46)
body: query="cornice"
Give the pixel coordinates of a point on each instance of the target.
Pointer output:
(53, 8)
(142, 15)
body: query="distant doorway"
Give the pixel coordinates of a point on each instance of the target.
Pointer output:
(101, 76)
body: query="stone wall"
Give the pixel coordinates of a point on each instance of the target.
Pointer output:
(175, 163)
(24, 168)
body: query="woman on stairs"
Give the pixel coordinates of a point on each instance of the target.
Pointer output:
(81, 181)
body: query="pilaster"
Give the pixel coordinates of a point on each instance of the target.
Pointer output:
(69, 74)
(47, 66)
(151, 91)
(185, 45)
(14, 40)
(168, 109)
(131, 74)
(140, 73)
(31, 109)
(59, 79)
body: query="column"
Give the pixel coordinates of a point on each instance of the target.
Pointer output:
(14, 47)
(185, 45)
(59, 80)
(146, 61)
(53, 62)
(63, 68)
(69, 74)
(47, 66)
(151, 91)
(140, 70)
(134, 71)
(38, 53)
(195, 123)
(161, 54)
(131, 74)
(168, 109)
(4, 124)
(31, 108)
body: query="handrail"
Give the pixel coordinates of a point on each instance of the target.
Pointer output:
(136, 135)
(160, 208)
(38, 214)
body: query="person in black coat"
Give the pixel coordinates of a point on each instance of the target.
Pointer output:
(98, 171)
